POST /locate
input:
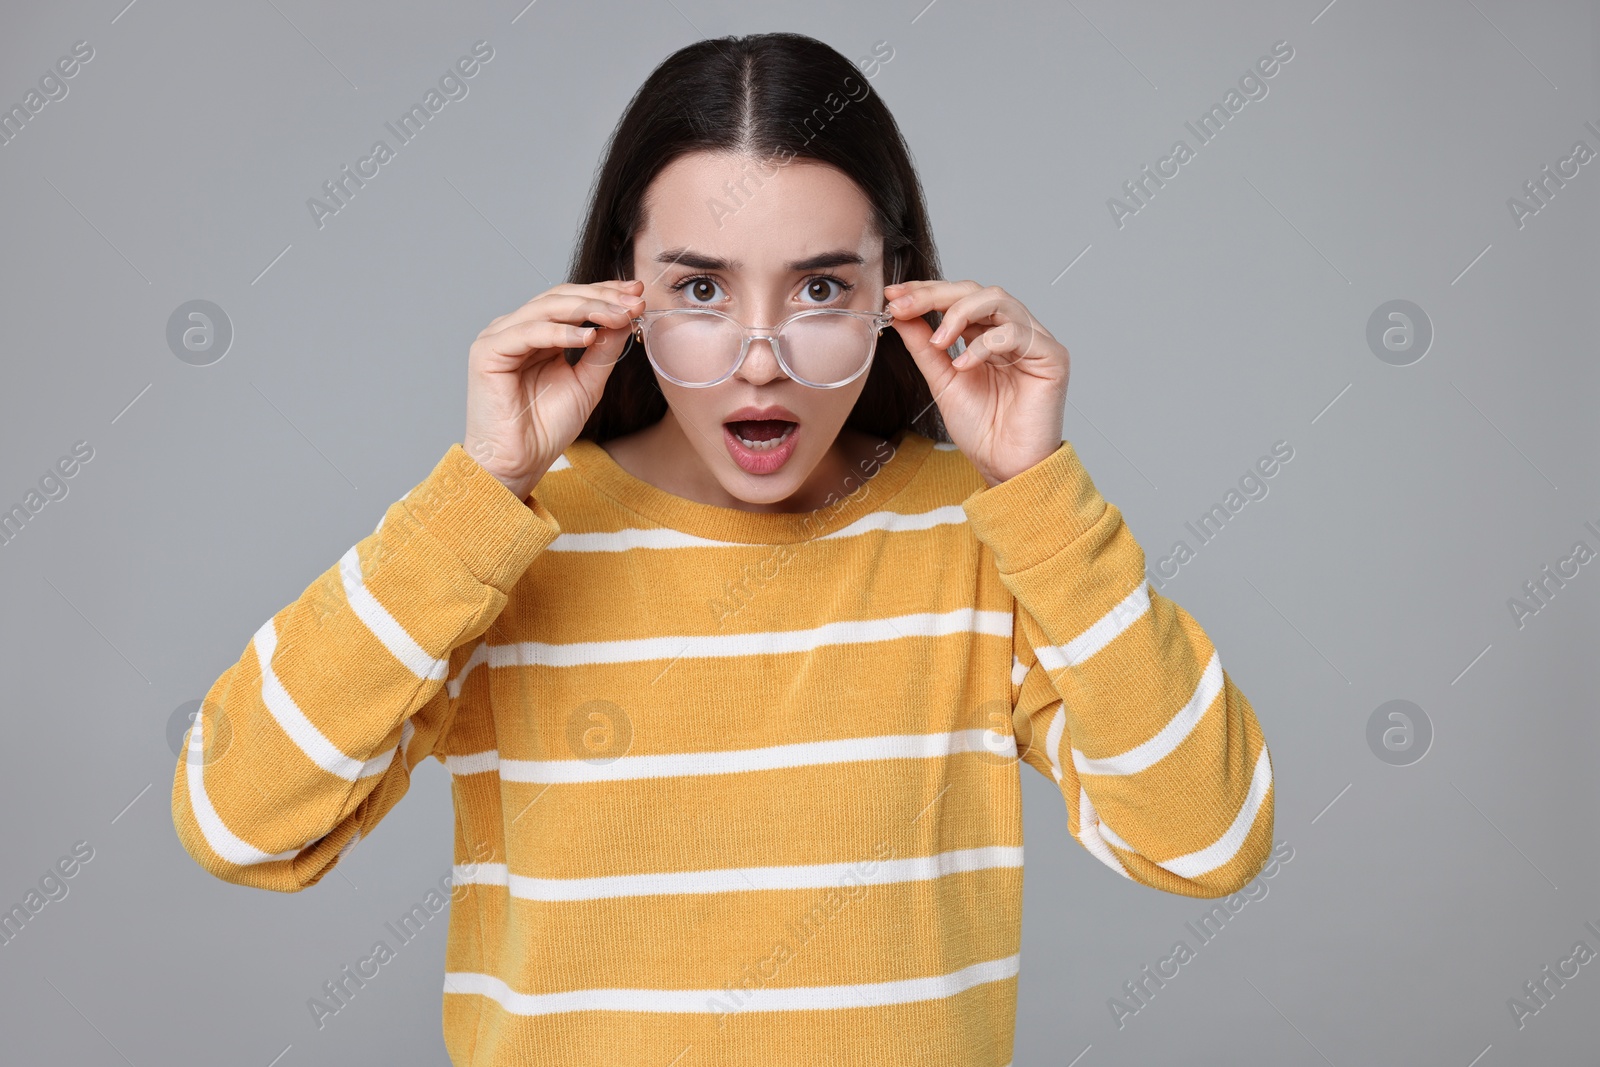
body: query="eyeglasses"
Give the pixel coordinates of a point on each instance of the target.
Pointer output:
(824, 348)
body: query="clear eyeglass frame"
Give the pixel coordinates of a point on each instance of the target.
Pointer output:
(642, 328)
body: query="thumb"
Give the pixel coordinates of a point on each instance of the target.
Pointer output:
(603, 353)
(932, 360)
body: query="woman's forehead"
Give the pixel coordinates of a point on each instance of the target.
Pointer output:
(729, 208)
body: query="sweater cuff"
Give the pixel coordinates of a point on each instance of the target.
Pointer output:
(1031, 516)
(471, 512)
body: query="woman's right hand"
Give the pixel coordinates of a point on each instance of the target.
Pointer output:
(525, 405)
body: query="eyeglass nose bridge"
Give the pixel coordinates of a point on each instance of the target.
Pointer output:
(769, 335)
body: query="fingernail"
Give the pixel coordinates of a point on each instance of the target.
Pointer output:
(900, 302)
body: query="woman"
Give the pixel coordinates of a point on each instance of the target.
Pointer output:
(731, 616)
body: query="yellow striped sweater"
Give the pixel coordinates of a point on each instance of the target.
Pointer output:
(734, 787)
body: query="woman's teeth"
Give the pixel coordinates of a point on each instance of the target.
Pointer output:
(764, 445)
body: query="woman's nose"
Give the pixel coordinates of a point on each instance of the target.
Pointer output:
(760, 363)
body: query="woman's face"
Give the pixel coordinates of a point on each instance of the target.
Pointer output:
(759, 242)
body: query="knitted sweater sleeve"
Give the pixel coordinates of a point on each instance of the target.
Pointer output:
(309, 739)
(1120, 695)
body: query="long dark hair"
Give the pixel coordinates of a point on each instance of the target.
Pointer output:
(769, 95)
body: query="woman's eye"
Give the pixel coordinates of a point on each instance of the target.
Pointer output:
(700, 290)
(825, 289)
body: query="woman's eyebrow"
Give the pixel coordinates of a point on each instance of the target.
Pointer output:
(695, 260)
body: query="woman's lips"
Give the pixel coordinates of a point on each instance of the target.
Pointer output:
(759, 459)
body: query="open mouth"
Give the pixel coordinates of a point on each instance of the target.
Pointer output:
(761, 435)
(760, 446)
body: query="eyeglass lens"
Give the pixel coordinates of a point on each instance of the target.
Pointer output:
(824, 349)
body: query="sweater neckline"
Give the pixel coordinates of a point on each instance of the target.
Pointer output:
(595, 465)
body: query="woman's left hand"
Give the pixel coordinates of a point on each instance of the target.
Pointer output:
(1004, 398)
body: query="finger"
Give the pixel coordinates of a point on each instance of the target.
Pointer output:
(990, 307)
(574, 309)
(903, 292)
(616, 291)
(897, 288)
(923, 297)
(604, 351)
(906, 292)
(611, 340)
(968, 335)
(566, 304)
(605, 346)
(535, 335)
(933, 362)
(971, 333)
(996, 345)
(633, 287)
(590, 288)
(591, 371)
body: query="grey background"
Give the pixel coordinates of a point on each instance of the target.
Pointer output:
(1228, 314)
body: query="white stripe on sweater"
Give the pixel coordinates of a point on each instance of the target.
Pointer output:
(1089, 824)
(632, 537)
(896, 522)
(737, 761)
(1227, 846)
(1095, 834)
(223, 841)
(665, 538)
(1169, 737)
(1091, 832)
(1122, 615)
(301, 730)
(480, 654)
(741, 879)
(763, 643)
(720, 1001)
(383, 625)
(1052, 739)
